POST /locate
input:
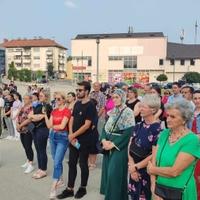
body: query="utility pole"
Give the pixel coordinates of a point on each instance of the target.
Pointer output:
(97, 74)
(196, 32)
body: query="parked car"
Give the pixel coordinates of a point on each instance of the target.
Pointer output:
(168, 86)
(138, 85)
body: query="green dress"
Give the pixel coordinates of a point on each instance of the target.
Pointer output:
(188, 144)
(115, 166)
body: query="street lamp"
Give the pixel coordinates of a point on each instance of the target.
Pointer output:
(97, 74)
(173, 57)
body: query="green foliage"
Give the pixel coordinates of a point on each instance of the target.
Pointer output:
(50, 70)
(39, 74)
(162, 77)
(12, 72)
(192, 77)
(24, 75)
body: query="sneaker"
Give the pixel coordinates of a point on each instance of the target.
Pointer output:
(80, 193)
(25, 165)
(8, 137)
(52, 195)
(66, 193)
(29, 169)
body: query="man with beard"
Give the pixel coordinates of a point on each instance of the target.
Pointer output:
(80, 129)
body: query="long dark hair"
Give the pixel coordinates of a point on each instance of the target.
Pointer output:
(18, 95)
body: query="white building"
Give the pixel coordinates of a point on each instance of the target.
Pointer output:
(35, 54)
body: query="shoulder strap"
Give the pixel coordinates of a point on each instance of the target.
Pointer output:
(114, 125)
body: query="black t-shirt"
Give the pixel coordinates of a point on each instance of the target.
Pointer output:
(132, 106)
(81, 113)
(40, 109)
(8, 105)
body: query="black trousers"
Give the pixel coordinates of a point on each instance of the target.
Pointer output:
(26, 140)
(40, 137)
(76, 155)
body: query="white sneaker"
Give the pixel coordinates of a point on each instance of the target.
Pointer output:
(29, 169)
(25, 165)
(16, 139)
(8, 137)
(52, 195)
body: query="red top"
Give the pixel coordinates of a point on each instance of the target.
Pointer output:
(58, 116)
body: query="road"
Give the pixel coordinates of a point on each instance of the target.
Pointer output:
(15, 185)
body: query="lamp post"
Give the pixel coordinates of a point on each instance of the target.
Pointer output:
(173, 57)
(97, 74)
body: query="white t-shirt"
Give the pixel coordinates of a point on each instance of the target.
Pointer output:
(1, 102)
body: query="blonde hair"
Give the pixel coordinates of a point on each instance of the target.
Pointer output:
(62, 94)
(46, 94)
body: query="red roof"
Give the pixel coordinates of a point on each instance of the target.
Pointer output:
(32, 43)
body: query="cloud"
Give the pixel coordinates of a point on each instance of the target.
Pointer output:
(70, 4)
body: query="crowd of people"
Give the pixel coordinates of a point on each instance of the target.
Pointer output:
(150, 136)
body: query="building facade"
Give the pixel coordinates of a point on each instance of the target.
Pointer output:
(2, 60)
(130, 57)
(35, 54)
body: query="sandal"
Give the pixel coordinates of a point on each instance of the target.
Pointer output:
(92, 166)
(40, 175)
(36, 173)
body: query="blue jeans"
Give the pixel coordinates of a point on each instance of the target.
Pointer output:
(59, 144)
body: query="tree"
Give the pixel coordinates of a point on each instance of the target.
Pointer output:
(25, 75)
(192, 77)
(12, 72)
(162, 77)
(39, 74)
(50, 71)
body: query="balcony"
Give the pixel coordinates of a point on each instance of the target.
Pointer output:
(61, 54)
(26, 61)
(26, 53)
(61, 62)
(49, 53)
(18, 53)
(18, 61)
(49, 61)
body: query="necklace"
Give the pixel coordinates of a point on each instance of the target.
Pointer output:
(174, 138)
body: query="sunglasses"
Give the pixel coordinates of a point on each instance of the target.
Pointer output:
(58, 99)
(79, 90)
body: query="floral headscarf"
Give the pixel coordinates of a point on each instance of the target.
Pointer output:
(126, 119)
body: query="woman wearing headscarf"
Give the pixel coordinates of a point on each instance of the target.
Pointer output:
(114, 139)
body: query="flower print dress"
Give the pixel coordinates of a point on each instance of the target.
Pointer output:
(144, 137)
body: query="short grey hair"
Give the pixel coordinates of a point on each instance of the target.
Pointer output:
(185, 108)
(152, 100)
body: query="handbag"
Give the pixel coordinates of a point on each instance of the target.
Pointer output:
(137, 152)
(167, 192)
(100, 148)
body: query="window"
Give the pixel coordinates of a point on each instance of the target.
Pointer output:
(90, 62)
(161, 62)
(182, 62)
(36, 49)
(172, 61)
(36, 57)
(130, 62)
(192, 62)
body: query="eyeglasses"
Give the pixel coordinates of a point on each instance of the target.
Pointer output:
(79, 90)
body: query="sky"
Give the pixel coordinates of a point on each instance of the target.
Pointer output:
(62, 20)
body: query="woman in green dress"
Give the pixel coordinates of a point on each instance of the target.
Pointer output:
(115, 139)
(175, 157)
